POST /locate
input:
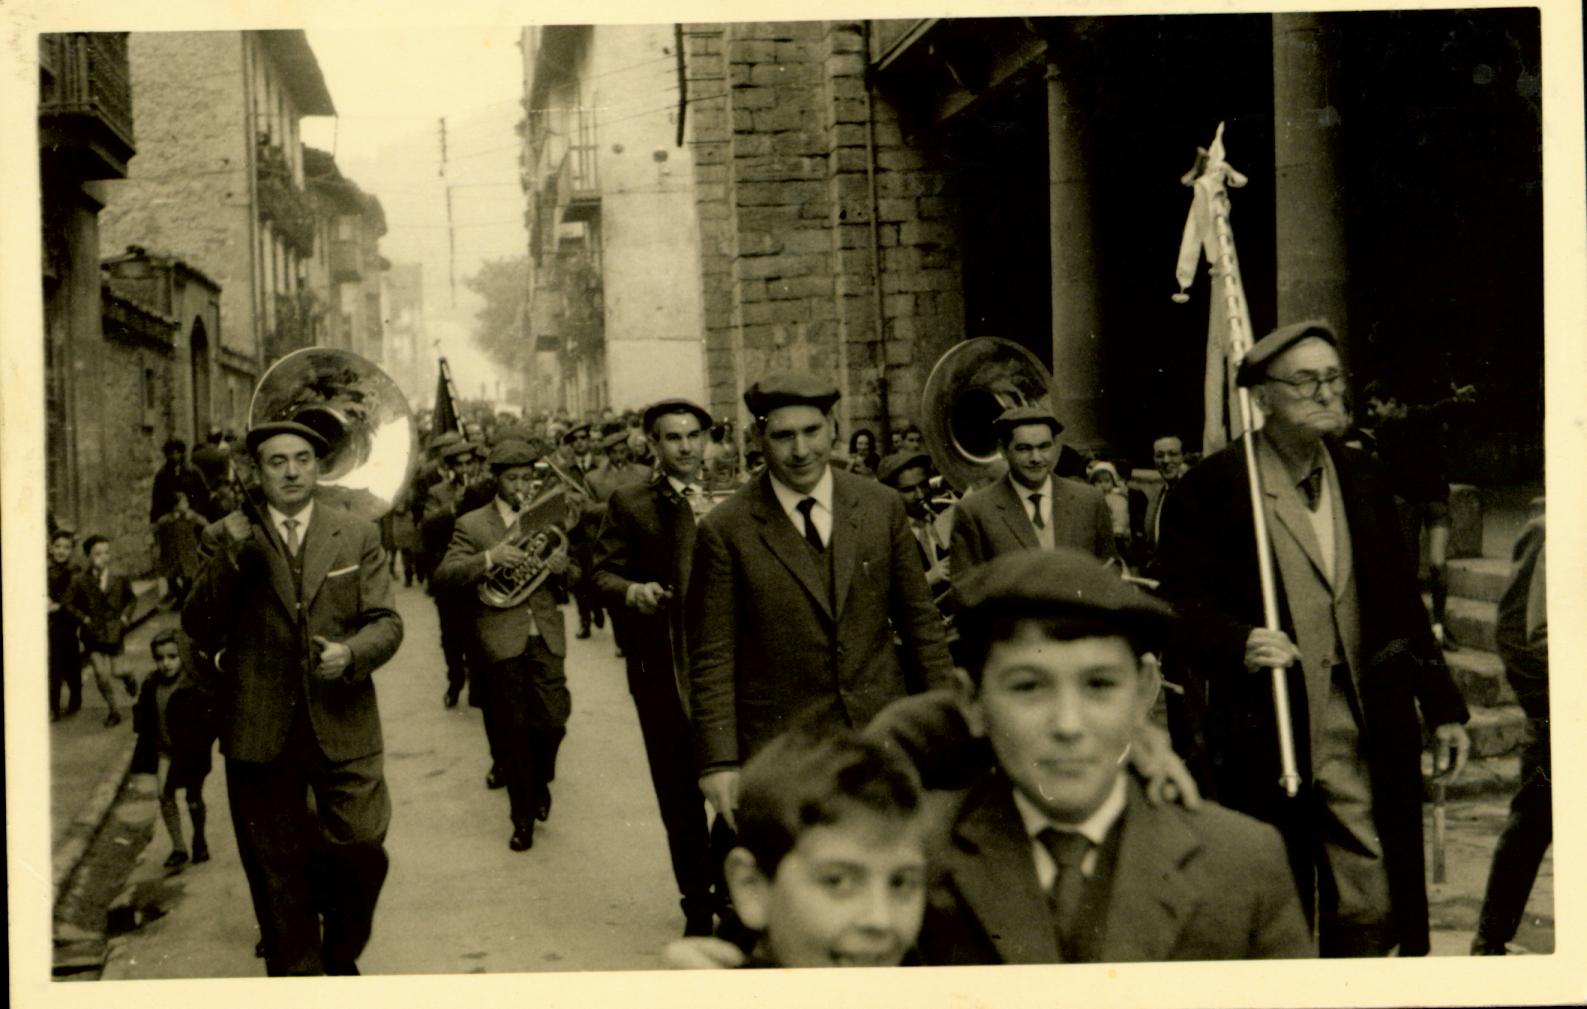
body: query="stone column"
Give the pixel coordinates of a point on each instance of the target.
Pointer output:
(1313, 272)
(1076, 307)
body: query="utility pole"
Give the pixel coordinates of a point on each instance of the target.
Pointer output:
(451, 232)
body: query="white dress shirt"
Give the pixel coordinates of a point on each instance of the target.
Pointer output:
(1095, 828)
(279, 520)
(820, 515)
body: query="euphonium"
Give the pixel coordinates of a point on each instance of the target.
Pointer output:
(538, 533)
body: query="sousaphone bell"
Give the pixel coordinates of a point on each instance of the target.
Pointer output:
(969, 387)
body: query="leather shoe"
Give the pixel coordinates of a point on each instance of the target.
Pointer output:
(176, 859)
(113, 719)
(341, 968)
(523, 837)
(200, 852)
(450, 698)
(584, 633)
(543, 807)
(495, 779)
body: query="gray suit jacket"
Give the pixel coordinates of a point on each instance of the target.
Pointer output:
(1206, 885)
(245, 605)
(767, 643)
(499, 633)
(993, 520)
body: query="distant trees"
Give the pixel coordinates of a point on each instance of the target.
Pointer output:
(501, 333)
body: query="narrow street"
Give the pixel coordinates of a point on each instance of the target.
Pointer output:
(595, 892)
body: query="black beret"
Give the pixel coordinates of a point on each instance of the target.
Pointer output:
(573, 433)
(789, 388)
(1253, 369)
(261, 433)
(456, 448)
(615, 438)
(440, 442)
(1019, 416)
(1061, 583)
(507, 454)
(666, 406)
(896, 463)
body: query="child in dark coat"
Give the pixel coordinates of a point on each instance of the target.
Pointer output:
(66, 659)
(176, 733)
(102, 601)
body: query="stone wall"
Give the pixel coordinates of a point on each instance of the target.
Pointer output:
(784, 209)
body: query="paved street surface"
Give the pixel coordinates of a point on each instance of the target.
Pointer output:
(595, 892)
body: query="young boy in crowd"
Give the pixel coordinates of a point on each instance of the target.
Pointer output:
(66, 660)
(1054, 853)
(103, 602)
(830, 867)
(175, 734)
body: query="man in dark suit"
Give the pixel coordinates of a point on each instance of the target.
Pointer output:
(453, 491)
(1031, 507)
(297, 611)
(642, 558)
(1354, 638)
(1052, 853)
(800, 583)
(520, 648)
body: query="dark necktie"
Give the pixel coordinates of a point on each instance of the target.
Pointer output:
(1068, 850)
(1035, 512)
(812, 536)
(292, 536)
(1311, 488)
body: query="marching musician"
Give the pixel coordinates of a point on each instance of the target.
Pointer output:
(579, 461)
(800, 581)
(1031, 507)
(451, 493)
(297, 610)
(642, 559)
(1355, 640)
(909, 473)
(518, 649)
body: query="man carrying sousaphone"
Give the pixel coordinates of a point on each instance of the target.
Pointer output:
(520, 641)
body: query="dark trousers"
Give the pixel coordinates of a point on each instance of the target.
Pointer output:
(66, 665)
(455, 615)
(526, 706)
(310, 833)
(588, 601)
(669, 752)
(1522, 844)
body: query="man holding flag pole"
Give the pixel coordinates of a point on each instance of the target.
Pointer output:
(1282, 555)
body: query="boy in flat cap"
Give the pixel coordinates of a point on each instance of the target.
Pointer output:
(800, 583)
(298, 610)
(1031, 507)
(518, 649)
(1053, 853)
(1355, 640)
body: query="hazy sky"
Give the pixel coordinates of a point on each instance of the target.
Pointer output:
(390, 88)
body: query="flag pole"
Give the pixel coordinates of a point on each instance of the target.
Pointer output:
(1212, 184)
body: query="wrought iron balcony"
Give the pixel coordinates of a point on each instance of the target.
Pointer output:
(85, 103)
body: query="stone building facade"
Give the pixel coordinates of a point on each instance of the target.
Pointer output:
(343, 276)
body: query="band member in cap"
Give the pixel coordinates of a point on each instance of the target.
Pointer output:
(1031, 507)
(800, 582)
(578, 461)
(909, 473)
(454, 492)
(297, 610)
(642, 559)
(1354, 637)
(519, 648)
(1053, 853)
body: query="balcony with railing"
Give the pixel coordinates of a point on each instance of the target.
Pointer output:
(578, 183)
(85, 103)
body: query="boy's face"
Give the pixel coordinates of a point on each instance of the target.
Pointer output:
(1060, 715)
(849, 894)
(168, 662)
(99, 556)
(61, 549)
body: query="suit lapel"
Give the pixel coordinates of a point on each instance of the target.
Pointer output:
(276, 557)
(1013, 511)
(1063, 513)
(788, 545)
(319, 548)
(845, 534)
(1150, 897)
(1286, 507)
(996, 875)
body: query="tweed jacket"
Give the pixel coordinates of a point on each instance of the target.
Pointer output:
(994, 520)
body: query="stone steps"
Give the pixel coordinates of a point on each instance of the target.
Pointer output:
(1497, 730)
(1479, 578)
(1480, 677)
(1473, 622)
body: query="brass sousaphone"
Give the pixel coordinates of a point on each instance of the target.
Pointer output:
(359, 411)
(968, 388)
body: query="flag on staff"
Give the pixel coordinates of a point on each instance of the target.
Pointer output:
(445, 418)
(1210, 180)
